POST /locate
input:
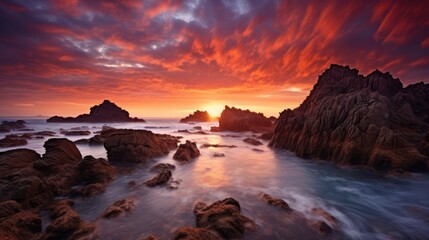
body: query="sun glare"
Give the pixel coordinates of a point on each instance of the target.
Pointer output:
(214, 109)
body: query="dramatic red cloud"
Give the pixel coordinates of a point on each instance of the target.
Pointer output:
(169, 58)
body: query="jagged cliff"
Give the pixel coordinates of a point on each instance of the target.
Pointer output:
(356, 120)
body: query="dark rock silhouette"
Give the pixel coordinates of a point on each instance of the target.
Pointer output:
(95, 170)
(207, 145)
(7, 126)
(197, 116)
(21, 225)
(276, 202)
(139, 146)
(67, 224)
(355, 120)
(162, 166)
(188, 233)
(186, 152)
(13, 141)
(32, 180)
(237, 120)
(162, 178)
(252, 141)
(105, 112)
(120, 208)
(76, 133)
(223, 217)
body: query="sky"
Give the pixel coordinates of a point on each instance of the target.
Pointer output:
(169, 58)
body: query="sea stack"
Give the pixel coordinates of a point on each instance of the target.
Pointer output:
(197, 116)
(105, 112)
(237, 120)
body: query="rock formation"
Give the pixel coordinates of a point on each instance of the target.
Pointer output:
(105, 112)
(220, 220)
(356, 120)
(120, 208)
(13, 141)
(237, 120)
(139, 146)
(7, 126)
(197, 116)
(252, 141)
(67, 224)
(29, 181)
(276, 202)
(186, 152)
(162, 166)
(162, 178)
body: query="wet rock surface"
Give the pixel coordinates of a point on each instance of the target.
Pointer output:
(13, 141)
(162, 166)
(186, 152)
(76, 133)
(189, 233)
(276, 202)
(162, 178)
(138, 146)
(95, 170)
(218, 155)
(29, 181)
(355, 120)
(120, 208)
(21, 225)
(7, 126)
(223, 217)
(252, 141)
(105, 112)
(67, 224)
(206, 145)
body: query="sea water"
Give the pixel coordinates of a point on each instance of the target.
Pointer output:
(368, 205)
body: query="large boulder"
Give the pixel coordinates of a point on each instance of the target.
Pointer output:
(22, 225)
(162, 178)
(67, 224)
(355, 120)
(139, 146)
(7, 126)
(9, 208)
(224, 217)
(105, 112)
(61, 154)
(12, 141)
(276, 202)
(197, 116)
(19, 181)
(120, 208)
(13, 161)
(186, 152)
(237, 120)
(188, 233)
(95, 170)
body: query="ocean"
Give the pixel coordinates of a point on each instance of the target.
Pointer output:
(368, 205)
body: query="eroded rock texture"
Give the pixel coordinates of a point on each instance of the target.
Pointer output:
(356, 120)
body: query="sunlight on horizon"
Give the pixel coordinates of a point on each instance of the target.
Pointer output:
(214, 110)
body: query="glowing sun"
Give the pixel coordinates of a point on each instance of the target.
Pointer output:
(214, 109)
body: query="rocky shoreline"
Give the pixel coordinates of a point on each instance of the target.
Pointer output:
(31, 183)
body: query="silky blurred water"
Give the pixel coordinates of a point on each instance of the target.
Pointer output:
(368, 205)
